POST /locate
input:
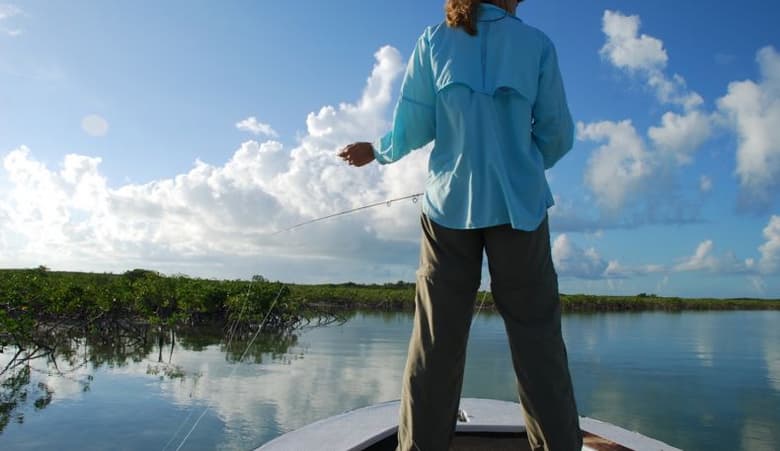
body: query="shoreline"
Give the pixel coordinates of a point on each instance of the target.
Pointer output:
(183, 299)
(400, 297)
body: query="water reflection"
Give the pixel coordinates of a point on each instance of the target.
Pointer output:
(15, 392)
(322, 377)
(245, 393)
(57, 367)
(696, 380)
(703, 337)
(772, 352)
(757, 435)
(685, 378)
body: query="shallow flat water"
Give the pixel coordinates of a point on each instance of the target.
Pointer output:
(708, 381)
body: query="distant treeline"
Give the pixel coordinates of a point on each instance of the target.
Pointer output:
(30, 297)
(400, 296)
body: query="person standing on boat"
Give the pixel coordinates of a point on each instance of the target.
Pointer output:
(487, 89)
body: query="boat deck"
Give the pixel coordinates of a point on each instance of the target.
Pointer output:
(486, 425)
(470, 442)
(500, 442)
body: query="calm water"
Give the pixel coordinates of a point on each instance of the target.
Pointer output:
(699, 381)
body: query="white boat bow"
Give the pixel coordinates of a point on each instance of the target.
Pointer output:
(489, 424)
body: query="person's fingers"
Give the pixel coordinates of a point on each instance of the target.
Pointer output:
(357, 154)
(346, 149)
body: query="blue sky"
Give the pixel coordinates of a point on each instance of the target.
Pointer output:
(180, 135)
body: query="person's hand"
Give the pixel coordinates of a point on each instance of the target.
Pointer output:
(358, 154)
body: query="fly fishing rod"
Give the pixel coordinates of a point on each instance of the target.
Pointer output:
(414, 197)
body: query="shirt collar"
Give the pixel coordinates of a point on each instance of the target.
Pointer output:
(489, 11)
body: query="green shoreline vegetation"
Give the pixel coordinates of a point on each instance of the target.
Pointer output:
(72, 320)
(29, 297)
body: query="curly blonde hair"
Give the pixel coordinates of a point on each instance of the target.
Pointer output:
(463, 14)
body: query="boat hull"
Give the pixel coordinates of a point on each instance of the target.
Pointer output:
(488, 424)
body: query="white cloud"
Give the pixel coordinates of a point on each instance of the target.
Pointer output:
(644, 55)
(218, 215)
(705, 184)
(330, 125)
(673, 91)
(617, 270)
(43, 206)
(625, 48)
(572, 261)
(703, 259)
(753, 111)
(770, 250)
(94, 125)
(618, 169)
(252, 125)
(681, 135)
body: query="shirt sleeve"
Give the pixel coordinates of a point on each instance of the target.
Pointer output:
(553, 127)
(414, 118)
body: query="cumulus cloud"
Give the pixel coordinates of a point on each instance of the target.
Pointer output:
(43, 206)
(618, 169)
(252, 125)
(674, 90)
(770, 250)
(572, 261)
(679, 136)
(94, 125)
(753, 111)
(645, 56)
(213, 214)
(625, 48)
(616, 270)
(621, 170)
(704, 259)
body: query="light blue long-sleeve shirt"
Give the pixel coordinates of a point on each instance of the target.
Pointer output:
(495, 106)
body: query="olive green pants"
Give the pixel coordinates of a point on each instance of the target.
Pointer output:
(525, 290)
